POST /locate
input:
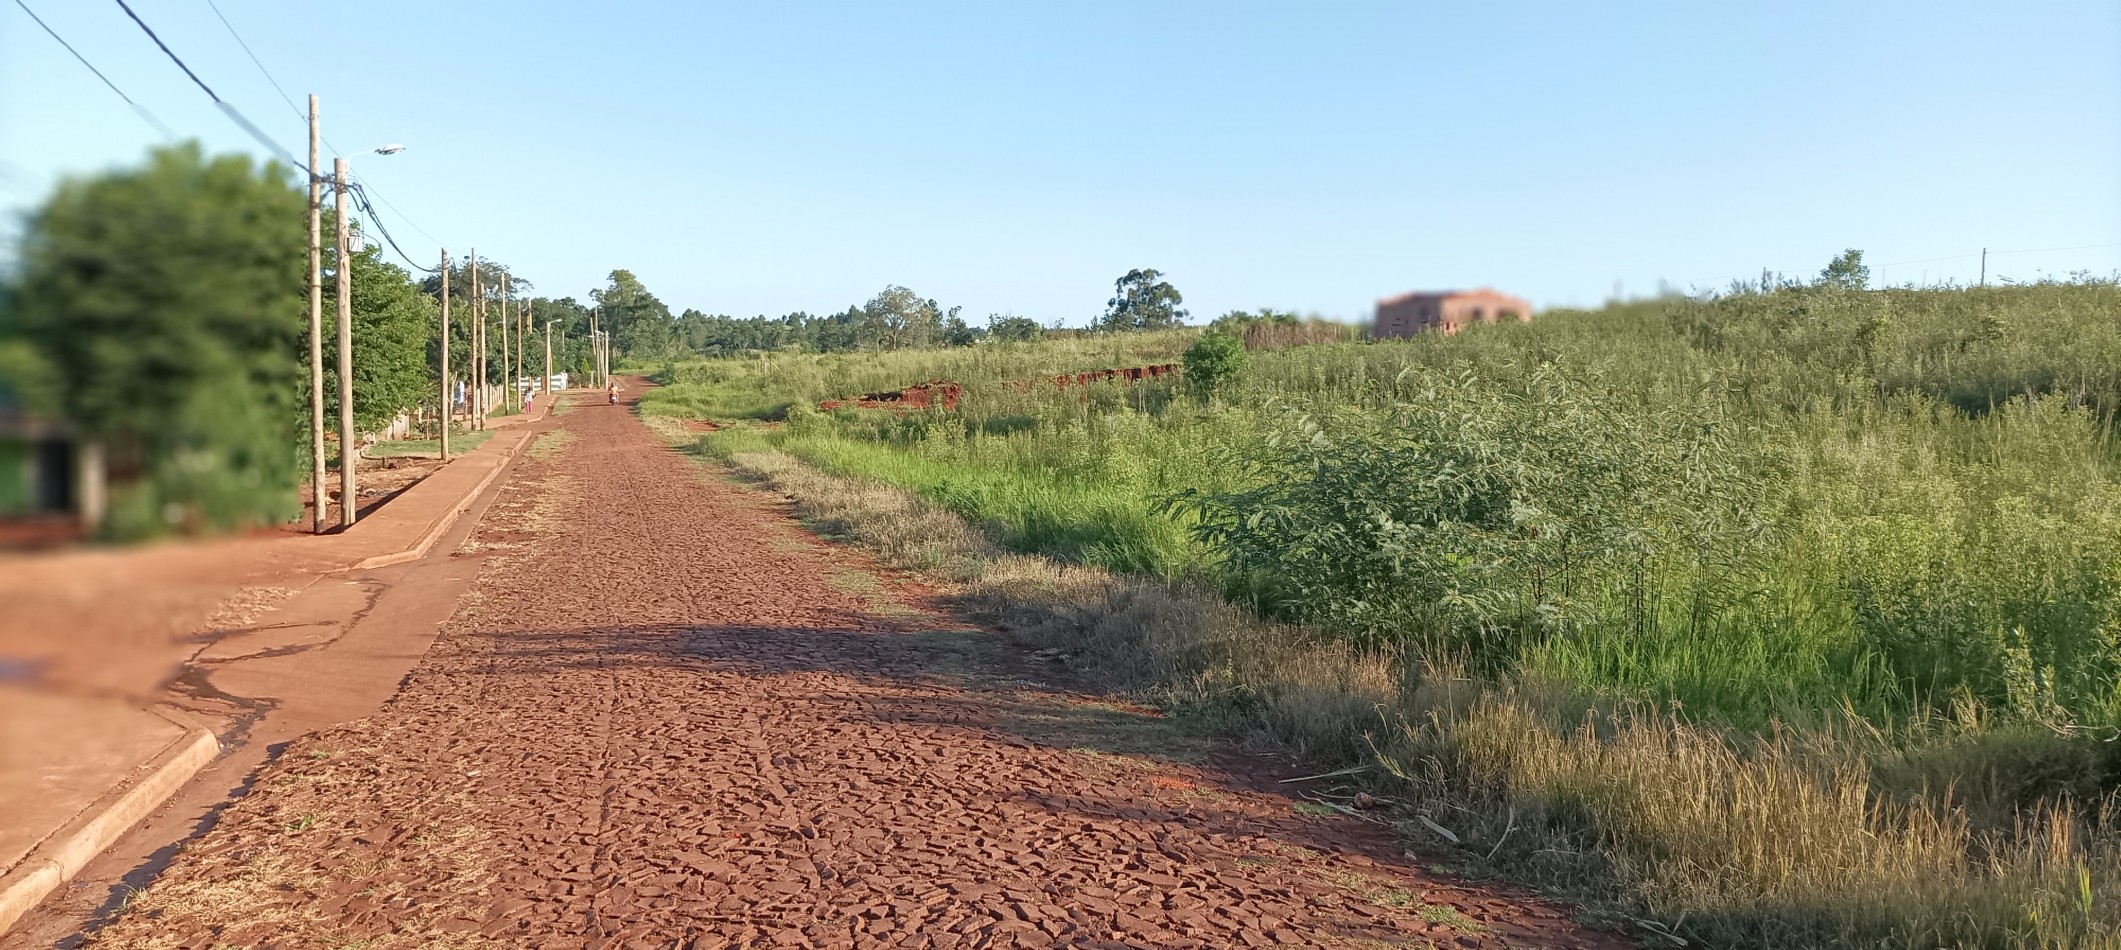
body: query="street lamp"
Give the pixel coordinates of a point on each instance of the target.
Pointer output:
(348, 500)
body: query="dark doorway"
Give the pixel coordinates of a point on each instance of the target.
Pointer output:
(54, 484)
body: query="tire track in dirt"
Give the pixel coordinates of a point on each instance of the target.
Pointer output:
(667, 717)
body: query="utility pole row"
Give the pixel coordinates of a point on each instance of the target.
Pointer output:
(316, 332)
(478, 404)
(448, 403)
(502, 318)
(347, 497)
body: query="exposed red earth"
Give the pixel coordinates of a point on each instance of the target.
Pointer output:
(664, 715)
(920, 396)
(937, 392)
(1131, 374)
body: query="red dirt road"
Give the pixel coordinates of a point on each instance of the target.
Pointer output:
(664, 716)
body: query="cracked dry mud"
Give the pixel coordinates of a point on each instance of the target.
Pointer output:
(665, 716)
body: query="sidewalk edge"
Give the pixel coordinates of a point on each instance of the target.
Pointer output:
(442, 524)
(62, 856)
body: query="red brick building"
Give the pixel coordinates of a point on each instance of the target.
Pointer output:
(1448, 311)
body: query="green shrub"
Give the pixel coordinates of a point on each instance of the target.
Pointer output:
(167, 303)
(1213, 360)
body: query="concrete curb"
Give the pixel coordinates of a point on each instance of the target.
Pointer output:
(442, 524)
(63, 855)
(58, 858)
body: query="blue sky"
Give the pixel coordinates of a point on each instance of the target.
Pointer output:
(1016, 158)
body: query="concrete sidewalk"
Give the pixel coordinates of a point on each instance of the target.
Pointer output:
(91, 640)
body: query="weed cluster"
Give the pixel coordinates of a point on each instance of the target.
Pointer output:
(1794, 612)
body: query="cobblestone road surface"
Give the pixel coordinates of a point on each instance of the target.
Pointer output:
(667, 717)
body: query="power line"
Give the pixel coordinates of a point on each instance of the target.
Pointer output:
(402, 216)
(138, 108)
(358, 191)
(1928, 260)
(2028, 250)
(2038, 250)
(227, 109)
(365, 189)
(254, 61)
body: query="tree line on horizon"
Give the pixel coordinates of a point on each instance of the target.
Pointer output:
(161, 310)
(897, 318)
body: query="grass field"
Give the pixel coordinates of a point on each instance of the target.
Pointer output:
(1788, 618)
(461, 440)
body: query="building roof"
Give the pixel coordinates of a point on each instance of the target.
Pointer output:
(1444, 294)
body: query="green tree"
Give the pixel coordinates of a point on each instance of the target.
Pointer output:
(492, 275)
(1846, 272)
(640, 325)
(956, 332)
(1013, 329)
(1143, 301)
(1214, 360)
(1238, 321)
(392, 324)
(897, 318)
(167, 301)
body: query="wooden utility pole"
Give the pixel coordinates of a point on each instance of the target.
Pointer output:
(316, 330)
(595, 361)
(448, 404)
(1984, 267)
(475, 404)
(522, 327)
(508, 389)
(347, 498)
(546, 387)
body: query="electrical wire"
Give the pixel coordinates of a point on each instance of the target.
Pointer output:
(254, 61)
(2039, 250)
(137, 108)
(1931, 260)
(234, 114)
(359, 193)
(2028, 250)
(402, 216)
(365, 190)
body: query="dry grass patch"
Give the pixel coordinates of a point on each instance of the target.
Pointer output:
(245, 606)
(549, 444)
(283, 868)
(1704, 836)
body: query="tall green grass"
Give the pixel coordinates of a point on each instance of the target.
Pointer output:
(765, 385)
(1802, 606)
(1756, 507)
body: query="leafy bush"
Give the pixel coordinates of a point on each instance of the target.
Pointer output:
(1475, 515)
(1213, 360)
(167, 301)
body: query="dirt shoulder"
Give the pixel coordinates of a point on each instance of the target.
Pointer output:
(664, 715)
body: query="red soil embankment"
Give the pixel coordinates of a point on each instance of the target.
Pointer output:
(946, 394)
(1131, 374)
(921, 396)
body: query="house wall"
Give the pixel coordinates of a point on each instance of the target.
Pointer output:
(1445, 312)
